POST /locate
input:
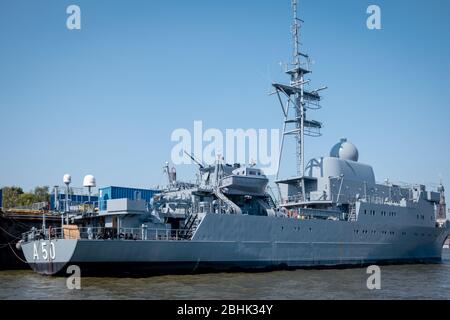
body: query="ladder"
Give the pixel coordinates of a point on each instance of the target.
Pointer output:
(352, 215)
(271, 198)
(271, 202)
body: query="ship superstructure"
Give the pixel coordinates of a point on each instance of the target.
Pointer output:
(332, 213)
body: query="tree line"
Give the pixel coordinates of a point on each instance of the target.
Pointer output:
(15, 196)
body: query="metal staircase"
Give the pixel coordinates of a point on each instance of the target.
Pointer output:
(271, 198)
(190, 226)
(233, 206)
(271, 202)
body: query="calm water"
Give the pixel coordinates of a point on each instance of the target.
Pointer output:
(398, 282)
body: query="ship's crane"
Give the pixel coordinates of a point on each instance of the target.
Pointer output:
(191, 156)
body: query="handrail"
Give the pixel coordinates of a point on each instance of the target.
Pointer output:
(102, 233)
(298, 198)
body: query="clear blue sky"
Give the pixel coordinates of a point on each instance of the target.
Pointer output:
(105, 99)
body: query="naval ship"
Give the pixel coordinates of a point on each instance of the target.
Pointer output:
(333, 213)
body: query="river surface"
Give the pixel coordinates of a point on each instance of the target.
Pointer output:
(397, 282)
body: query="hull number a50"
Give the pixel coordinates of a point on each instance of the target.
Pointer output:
(44, 250)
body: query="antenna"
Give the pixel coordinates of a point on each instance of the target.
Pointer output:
(67, 179)
(171, 174)
(300, 100)
(298, 82)
(296, 34)
(89, 182)
(167, 171)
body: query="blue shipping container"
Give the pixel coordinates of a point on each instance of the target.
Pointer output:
(74, 199)
(113, 192)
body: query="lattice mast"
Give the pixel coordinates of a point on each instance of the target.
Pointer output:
(299, 98)
(297, 80)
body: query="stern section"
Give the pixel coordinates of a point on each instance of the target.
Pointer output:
(49, 257)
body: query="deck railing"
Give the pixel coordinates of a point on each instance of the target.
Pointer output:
(101, 233)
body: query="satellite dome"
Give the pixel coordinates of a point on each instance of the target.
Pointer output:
(67, 179)
(89, 181)
(345, 150)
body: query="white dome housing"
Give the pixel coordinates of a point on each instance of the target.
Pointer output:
(89, 181)
(345, 150)
(67, 179)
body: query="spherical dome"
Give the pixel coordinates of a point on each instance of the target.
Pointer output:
(89, 181)
(67, 179)
(345, 150)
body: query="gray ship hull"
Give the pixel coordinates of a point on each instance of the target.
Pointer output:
(233, 242)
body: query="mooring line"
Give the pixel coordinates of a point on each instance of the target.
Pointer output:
(10, 234)
(17, 255)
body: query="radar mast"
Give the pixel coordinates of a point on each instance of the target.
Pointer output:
(295, 96)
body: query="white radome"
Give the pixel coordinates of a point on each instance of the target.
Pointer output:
(89, 181)
(345, 150)
(67, 179)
